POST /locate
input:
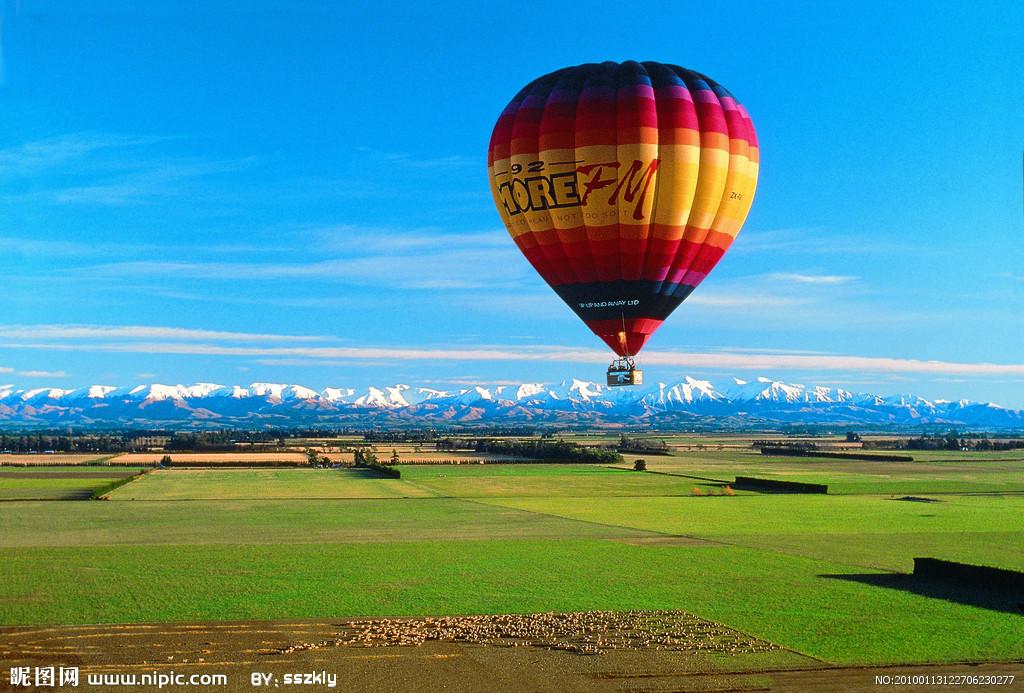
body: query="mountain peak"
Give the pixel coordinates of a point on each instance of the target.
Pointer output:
(686, 402)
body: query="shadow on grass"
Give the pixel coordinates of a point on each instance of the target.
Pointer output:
(1008, 601)
(362, 473)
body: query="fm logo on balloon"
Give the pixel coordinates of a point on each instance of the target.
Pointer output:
(558, 190)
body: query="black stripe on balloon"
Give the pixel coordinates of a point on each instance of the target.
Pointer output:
(622, 299)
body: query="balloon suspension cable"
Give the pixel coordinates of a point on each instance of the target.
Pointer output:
(626, 361)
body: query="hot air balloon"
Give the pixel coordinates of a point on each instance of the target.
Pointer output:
(623, 184)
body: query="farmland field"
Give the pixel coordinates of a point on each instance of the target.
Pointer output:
(824, 578)
(50, 460)
(869, 531)
(230, 484)
(544, 480)
(58, 483)
(930, 472)
(408, 454)
(211, 458)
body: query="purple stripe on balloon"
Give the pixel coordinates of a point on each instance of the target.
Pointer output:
(705, 96)
(640, 91)
(684, 275)
(658, 274)
(674, 91)
(676, 275)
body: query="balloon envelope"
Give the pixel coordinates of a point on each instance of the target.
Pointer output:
(623, 184)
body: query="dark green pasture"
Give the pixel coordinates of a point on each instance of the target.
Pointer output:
(58, 483)
(930, 472)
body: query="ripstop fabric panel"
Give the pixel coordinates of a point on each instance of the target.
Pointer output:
(623, 184)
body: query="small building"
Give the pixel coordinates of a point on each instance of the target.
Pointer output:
(150, 442)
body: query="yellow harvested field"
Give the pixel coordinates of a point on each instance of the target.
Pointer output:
(215, 457)
(48, 460)
(257, 458)
(444, 457)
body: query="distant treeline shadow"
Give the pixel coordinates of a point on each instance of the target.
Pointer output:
(994, 598)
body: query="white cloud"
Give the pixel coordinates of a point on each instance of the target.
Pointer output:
(813, 241)
(470, 381)
(105, 169)
(719, 299)
(444, 268)
(706, 360)
(30, 246)
(752, 350)
(139, 332)
(775, 290)
(36, 247)
(830, 279)
(29, 158)
(149, 180)
(386, 240)
(43, 374)
(773, 361)
(366, 256)
(379, 303)
(545, 305)
(437, 162)
(446, 284)
(5, 369)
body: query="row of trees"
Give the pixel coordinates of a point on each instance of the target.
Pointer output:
(40, 442)
(365, 457)
(561, 451)
(948, 441)
(202, 441)
(654, 447)
(424, 436)
(794, 444)
(953, 441)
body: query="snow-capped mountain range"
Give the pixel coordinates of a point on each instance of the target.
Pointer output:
(687, 404)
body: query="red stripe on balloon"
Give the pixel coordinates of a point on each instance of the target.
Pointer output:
(638, 331)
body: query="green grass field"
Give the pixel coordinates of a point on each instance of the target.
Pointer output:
(868, 531)
(56, 483)
(228, 484)
(813, 573)
(786, 599)
(929, 472)
(542, 480)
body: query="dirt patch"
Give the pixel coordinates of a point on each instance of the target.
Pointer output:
(240, 649)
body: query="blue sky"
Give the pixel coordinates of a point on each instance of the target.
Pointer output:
(298, 193)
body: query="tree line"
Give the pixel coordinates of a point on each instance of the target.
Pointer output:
(559, 450)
